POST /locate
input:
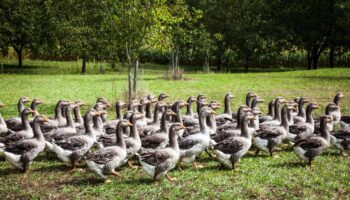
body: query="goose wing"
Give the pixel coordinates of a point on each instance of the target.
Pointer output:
(152, 141)
(72, 143)
(102, 156)
(229, 146)
(21, 147)
(155, 157)
(187, 143)
(297, 128)
(309, 143)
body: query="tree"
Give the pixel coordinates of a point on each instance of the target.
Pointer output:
(21, 25)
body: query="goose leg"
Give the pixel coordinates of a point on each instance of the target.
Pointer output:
(171, 179)
(257, 152)
(25, 167)
(179, 165)
(310, 161)
(196, 165)
(131, 165)
(114, 173)
(233, 164)
(209, 153)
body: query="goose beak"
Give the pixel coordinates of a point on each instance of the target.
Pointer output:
(130, 124)
(31, 111)
(317, 107)
(213, 112)
(45, 119)
(98, 113)
(183, 127)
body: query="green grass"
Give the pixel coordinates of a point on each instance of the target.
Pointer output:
(259, 177)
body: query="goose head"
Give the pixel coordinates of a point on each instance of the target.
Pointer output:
(169, 112)
(177, 127)
(25, 100)
(162, 96)
(201, 97)
(36, 102)
(251, 94)
(304, 100)
(191, 99)
(104, 101)
(214, 105)
(41, 119)
(151, 98)
(313, 106)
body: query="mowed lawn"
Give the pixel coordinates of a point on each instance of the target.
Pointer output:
(259, 177)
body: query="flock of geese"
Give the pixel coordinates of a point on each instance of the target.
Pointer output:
(161, 138)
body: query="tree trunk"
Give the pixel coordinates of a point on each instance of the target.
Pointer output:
(246, 64)
(19, 52)
(177, 60)
(315, 57)
(331, 56)
(129, 80)
(136, 68)
(83, 68)
(309, 60)
(219, 60)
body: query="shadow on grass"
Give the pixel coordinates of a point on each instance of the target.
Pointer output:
(52, 168)
(84, 181)
(9, 171)
(289, 165)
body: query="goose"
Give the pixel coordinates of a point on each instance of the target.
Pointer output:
(160, 138)
(310, 147)
(341, 140)
(269, 137)
(233, 129)
(230, 150)
(99, 121)
(3, 127)
(62, 132)
(291, 113)
(277, 114)
(142, 109)
(248, 100)
(337, 113)
(157, 162)
(303, 128)
(296, 100)
(58, 120)
(72, 149)
(15, 123)
(270, 115)
(201, 102)
(21, 153)
(133, 142)
(255, 123)
(195, 144)
(151, 100)
(227, 112)
(154, 126)
(104, 161)
(78, 119)
(161, 97)
(301, 117)
(329, 109)
(25, 132)
(104, 101)
(256, 101)
(211, 122)
(110, 126)
(188, 118)
(34, 104)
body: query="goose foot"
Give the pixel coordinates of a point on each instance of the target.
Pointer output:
(179, 166)
(171, 179)
(108, 181)
(116, 174)
(197, 166)
(210, 154)
(343, 153)
(132, 166)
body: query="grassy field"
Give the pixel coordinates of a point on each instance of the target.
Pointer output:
(259, 177)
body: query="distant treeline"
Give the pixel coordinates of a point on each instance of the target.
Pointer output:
(214, 35)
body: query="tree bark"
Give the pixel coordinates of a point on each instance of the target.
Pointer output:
(136, 68)
(219, 60)
(331, 56)
(19, 52)
(83, 67)
(246, 64)
(315, 57)
(309, 60)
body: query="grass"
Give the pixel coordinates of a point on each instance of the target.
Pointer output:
(259, 177)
